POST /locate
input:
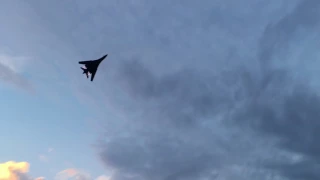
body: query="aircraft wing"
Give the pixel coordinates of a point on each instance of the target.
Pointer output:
(84, 62)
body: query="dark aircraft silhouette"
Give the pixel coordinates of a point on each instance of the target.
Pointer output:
(91, 66)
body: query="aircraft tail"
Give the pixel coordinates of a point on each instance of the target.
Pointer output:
(85, 71)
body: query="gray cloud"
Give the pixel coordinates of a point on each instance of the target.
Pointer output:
(217, 90)
(290, 112)
(194, 123)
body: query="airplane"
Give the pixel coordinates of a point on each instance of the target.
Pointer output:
(91, 66)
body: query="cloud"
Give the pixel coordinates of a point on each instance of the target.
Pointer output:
(14, 171)
(46, 156)
(40, 178)
(181, 132)
(78, 175)
(217, 90)
(74, 174)
(43, 158)
(176, 124)
(249, 116)
(288, 111)
(10, 68)
(50, 150)
(103, 177)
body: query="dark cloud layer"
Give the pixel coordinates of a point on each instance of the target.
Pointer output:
(292, 115)
(181, 97)
(233, 101)
(218, 90)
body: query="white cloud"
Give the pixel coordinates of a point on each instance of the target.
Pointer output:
(12, 170)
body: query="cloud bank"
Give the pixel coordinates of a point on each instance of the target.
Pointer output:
(248, 112)
(206, 90)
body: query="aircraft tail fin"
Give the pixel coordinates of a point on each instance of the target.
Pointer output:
(85, 71)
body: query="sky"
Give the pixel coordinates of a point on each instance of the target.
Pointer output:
(215, 89)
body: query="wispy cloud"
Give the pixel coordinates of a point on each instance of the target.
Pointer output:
(103, 177)
(10, 69)
(40, 178)
(43, 158)
(72, 173)
(50, 150)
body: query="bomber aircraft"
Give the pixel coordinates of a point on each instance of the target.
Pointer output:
(91, 66)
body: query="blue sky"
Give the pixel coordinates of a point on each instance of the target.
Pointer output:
(190, 90)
